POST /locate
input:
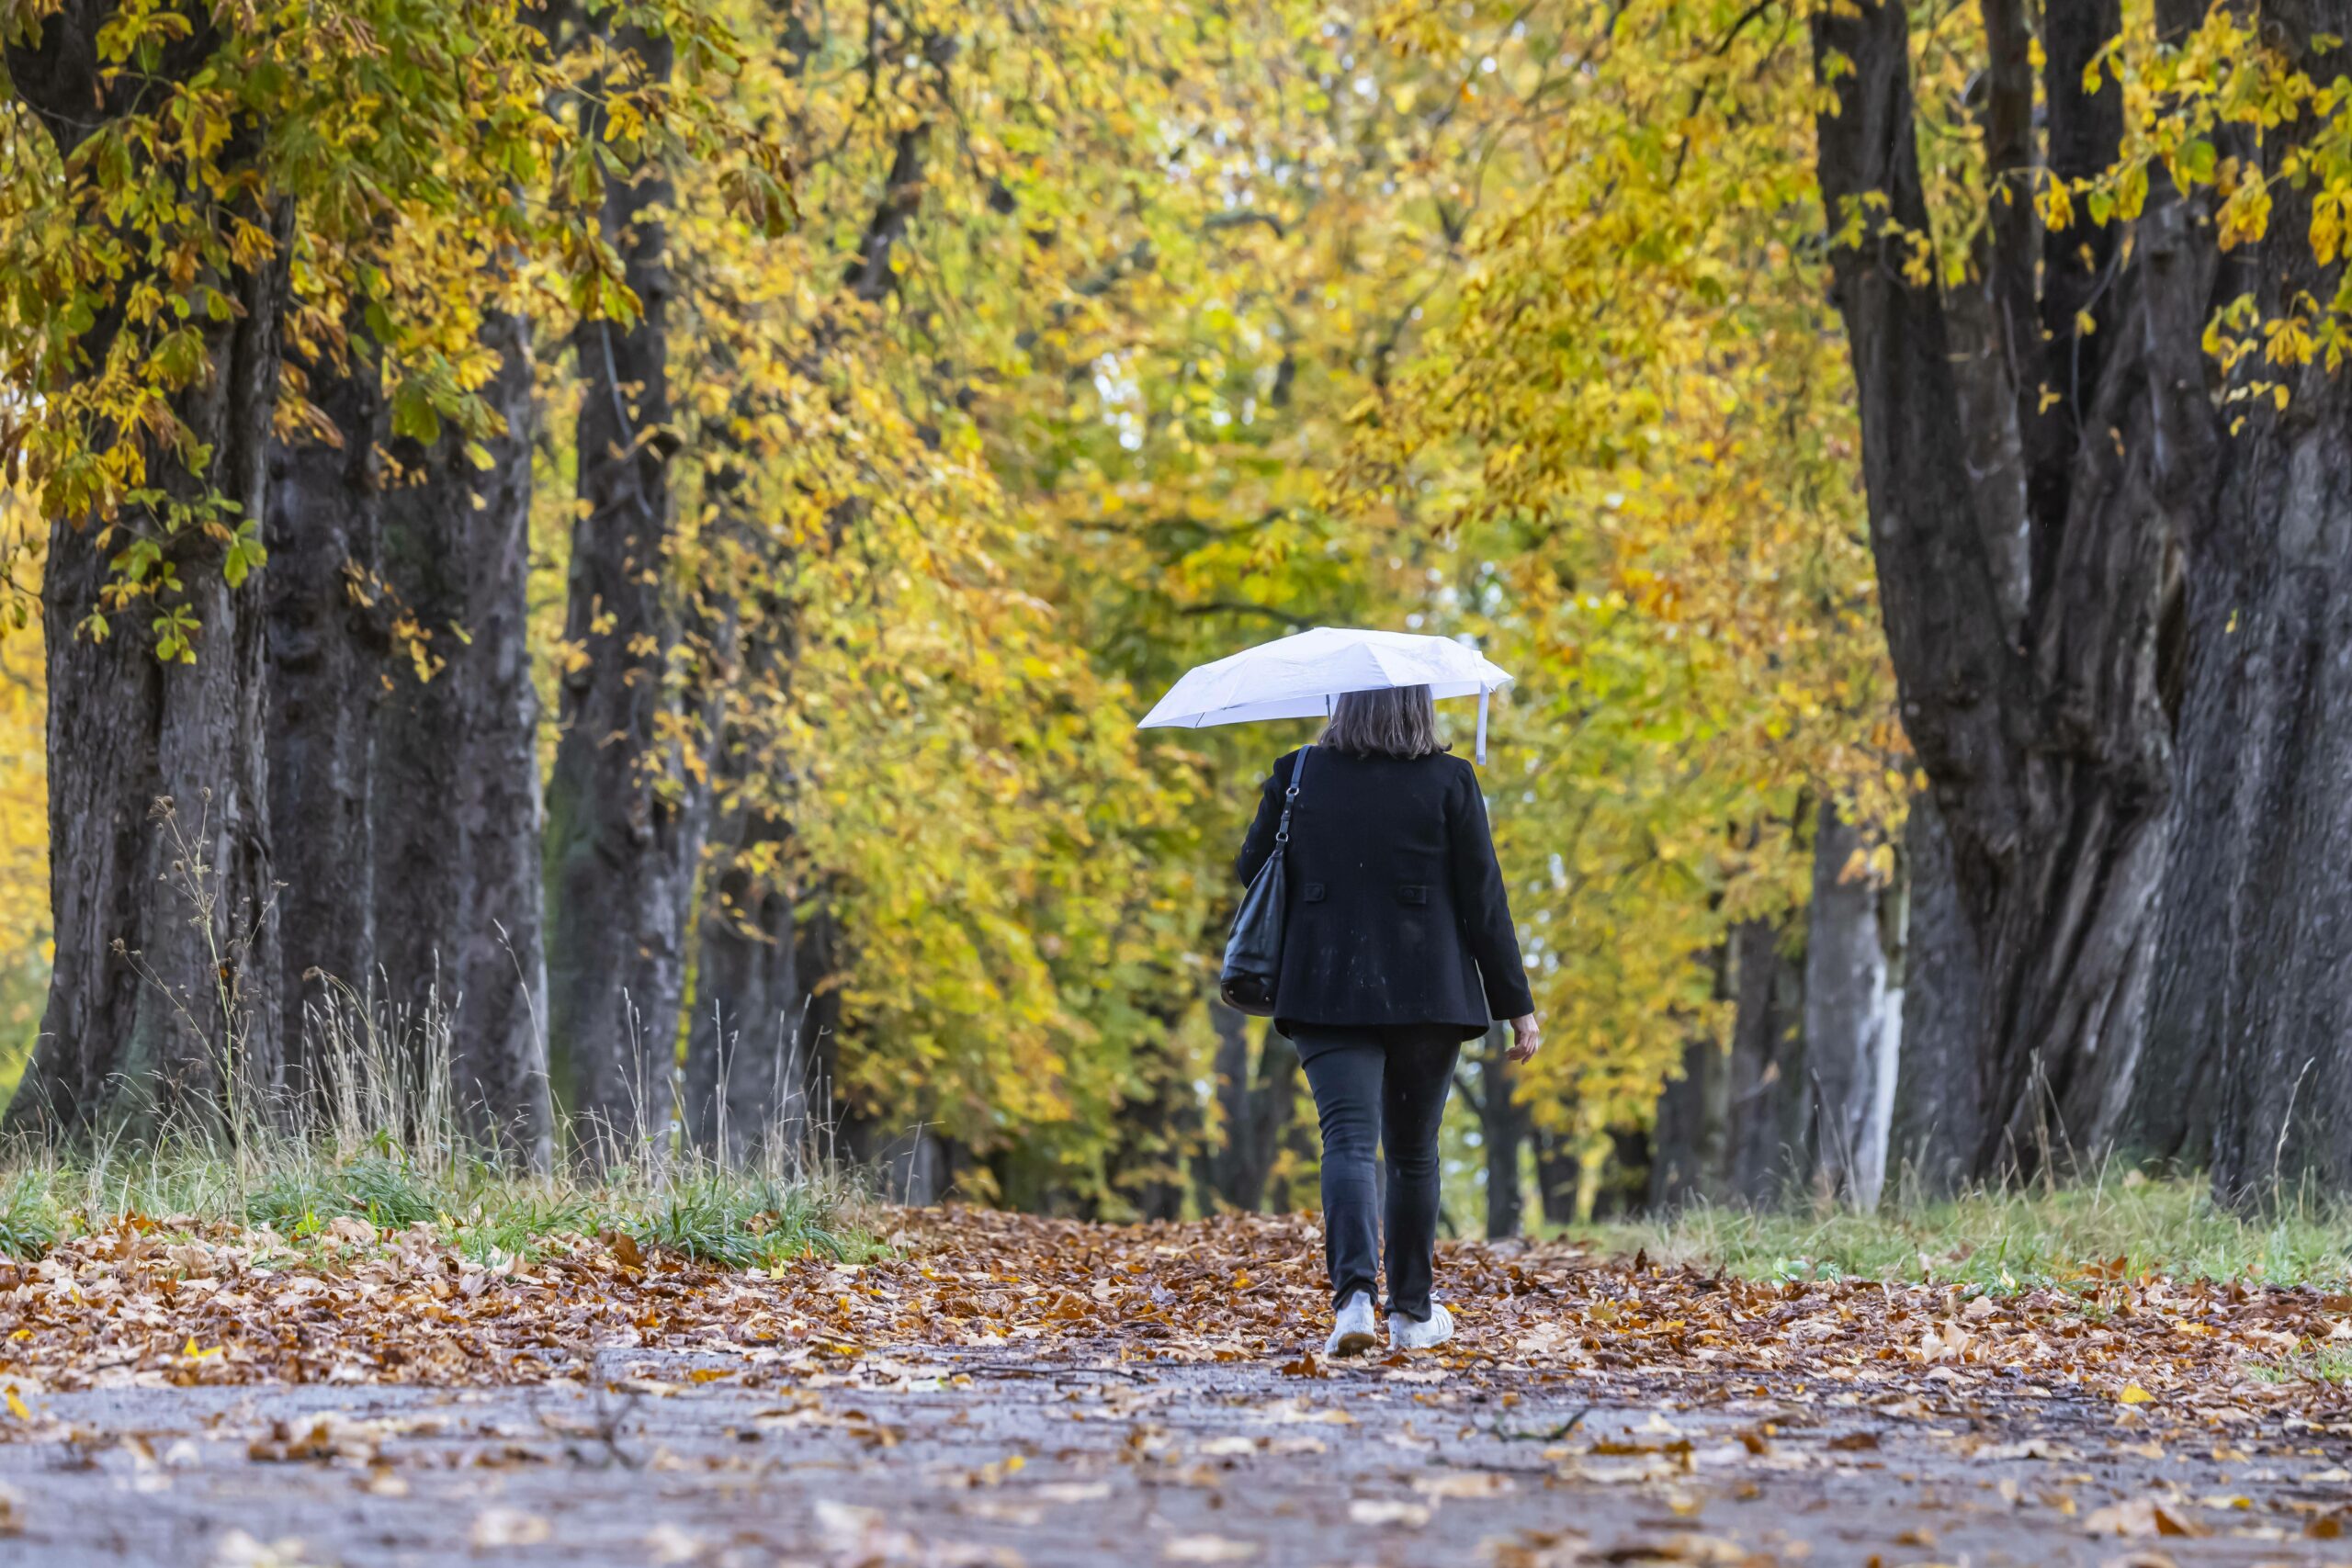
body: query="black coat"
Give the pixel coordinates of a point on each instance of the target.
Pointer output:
(1396, 908)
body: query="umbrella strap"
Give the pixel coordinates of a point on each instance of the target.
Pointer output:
(1482, 727)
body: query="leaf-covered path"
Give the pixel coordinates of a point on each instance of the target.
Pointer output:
(1039, 1392)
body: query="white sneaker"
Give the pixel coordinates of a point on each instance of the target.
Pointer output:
(1353, 1335)
(1404, 1334)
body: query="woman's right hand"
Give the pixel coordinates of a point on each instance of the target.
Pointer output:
(1526, 1036)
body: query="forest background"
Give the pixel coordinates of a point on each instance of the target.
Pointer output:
(634, 540)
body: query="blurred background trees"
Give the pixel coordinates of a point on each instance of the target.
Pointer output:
(634, 538)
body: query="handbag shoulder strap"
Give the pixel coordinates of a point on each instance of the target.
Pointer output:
(1290, 795)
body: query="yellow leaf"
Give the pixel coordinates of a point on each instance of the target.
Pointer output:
(2134, 1394)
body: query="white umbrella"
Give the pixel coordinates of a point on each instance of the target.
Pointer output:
(1297, 677)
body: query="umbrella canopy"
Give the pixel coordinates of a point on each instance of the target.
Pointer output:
(1297, 677)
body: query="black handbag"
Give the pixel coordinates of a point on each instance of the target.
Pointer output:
(1254, 953)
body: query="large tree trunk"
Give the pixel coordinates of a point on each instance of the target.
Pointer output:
(2176, 1093)
(1559, 1178)
(1690, 1144)
(1853, 1018)
(1767, 1089)
(1623, 1189)
(326, 657)
(2048, 745)
(1937, 1122)
(2267, 1039)
(1504, 1128)
(458, 890)
(1257, 1099)
(165, 992)
(746, 1060)
(816, 965)
(498, 1049)
(624, 818)
(419, 883)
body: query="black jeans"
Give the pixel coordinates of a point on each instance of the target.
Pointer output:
(1384, 1088)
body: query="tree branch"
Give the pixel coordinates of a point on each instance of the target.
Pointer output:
(869, 278)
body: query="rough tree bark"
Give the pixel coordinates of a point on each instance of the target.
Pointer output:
(499, 1049)
(1624, 1185)
(1688, 1143)
(1853, 1018)
(747, 1059)
(2260, 1019)
(816, 965)
(1768, 1137)
(2049, 746)
(148, 1009)
(1257, 1100)
(1504, 1126)
(1559, 1175)
(1937, 1122)
(624, 830)
(458, 891)
(326, 639)
(418, 883)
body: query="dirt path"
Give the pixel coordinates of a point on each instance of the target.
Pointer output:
(1071, 1397)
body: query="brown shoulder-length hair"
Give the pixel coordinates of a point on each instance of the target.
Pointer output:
(1395, 721)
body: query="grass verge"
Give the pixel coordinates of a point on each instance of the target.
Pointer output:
(731, 1218)
(2004, 1242)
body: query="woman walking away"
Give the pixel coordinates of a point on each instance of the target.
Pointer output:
(1397, 947)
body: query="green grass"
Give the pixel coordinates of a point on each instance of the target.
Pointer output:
(383, 1142)
(2007, 1241)
(2314, 1363)
(680, 1206)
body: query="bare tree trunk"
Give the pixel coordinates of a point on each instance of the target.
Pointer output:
(1623, 1190)
(164, 997)
(2048, 743)
(624, 815)
(1297, 1182)
(500, 1045)
(2176, 1092)
(1690, 1144)
(1504, 1128)
(1257, 1098)
(745, 1067)
(327, 642)
(916, 1166)
(457, 886)
(1767, 1086)
(1852, 1019)
(816, 965)
(2269, 735)
(419, 884)
(1937, 1122)
(1559, 1175)
(746, 1063)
